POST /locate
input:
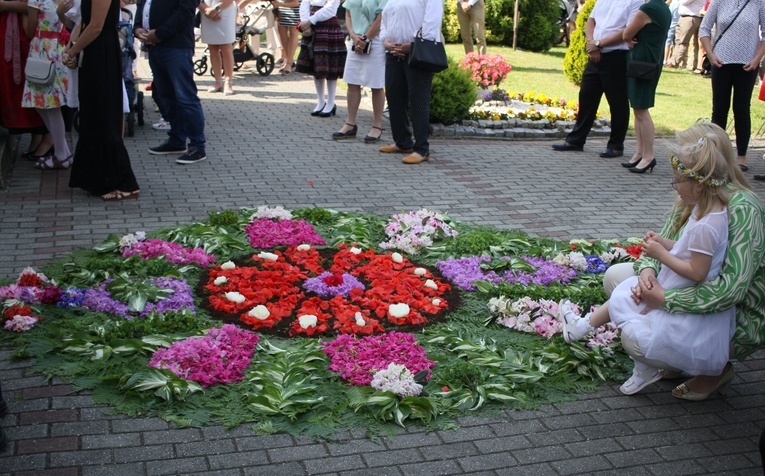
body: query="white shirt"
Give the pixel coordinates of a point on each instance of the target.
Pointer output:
(328, 10)
(401, 19)
(740, 42)
(691, 7)
(145, 15)
(611, 16)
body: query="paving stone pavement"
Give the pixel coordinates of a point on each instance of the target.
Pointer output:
(264, 148)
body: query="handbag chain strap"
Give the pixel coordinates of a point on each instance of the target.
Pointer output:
(729, 25)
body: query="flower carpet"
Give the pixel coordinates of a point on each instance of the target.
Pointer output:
(312, 320)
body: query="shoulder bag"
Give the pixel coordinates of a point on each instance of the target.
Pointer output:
(427, 55)
(644, 70)
(40, 71)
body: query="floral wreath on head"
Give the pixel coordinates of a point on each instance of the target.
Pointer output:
(683, 170)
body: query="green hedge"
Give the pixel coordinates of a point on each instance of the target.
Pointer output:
(576, 55)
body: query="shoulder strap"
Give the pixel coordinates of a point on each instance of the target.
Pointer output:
(729, 24)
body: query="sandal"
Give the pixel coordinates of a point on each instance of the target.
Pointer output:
(372, 139)
(50, 162)
(117, 195)
(217, 88)
(640, 380)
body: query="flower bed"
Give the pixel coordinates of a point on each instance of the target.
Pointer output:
(376, 338)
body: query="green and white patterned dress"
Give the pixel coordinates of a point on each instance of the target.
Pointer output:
(742, 280)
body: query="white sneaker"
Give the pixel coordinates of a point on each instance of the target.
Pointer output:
(575, 327)
(162, 125)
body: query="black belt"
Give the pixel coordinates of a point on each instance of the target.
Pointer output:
(692, 16)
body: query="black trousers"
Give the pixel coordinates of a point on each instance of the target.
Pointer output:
(733, 78)
(609, 77)
(405, 87)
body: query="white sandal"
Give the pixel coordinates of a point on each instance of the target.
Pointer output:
(639, 380)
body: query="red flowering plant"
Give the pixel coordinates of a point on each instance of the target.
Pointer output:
(31, 287)
(304, 291)
(486, 70)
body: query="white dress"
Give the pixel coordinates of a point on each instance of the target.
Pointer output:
(219, 32)
(697, 344)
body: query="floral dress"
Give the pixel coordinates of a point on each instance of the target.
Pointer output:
(46, 46)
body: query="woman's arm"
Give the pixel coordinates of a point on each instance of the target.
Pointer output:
(326, 12)
(98, 11)
(696, 269)
(17, 7)
(431, 24)
(634, 26)
(30, 21)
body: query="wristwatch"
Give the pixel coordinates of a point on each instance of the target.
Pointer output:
(597, 43)
(217, 8)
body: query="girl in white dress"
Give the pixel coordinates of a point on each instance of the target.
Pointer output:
(694, 343)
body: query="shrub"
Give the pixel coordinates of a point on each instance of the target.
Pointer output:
(538, 27)
(576, 56)
(452, 95)
(450, 27)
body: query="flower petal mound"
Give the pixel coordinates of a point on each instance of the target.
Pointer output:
(345, 291)
(219, 357)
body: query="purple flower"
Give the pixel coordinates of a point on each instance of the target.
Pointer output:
(320, 287)
(595, 265)
(463, 272)
(98, 299)
(172, 252)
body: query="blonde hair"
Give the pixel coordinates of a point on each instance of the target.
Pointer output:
(706, 152)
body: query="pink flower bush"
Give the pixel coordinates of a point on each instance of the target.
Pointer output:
(486, 70)
(264, 233)
(172, 252)
(356, 360)
(219, 357)
(20, 323)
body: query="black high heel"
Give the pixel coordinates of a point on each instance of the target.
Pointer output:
(346, 135)
(34, 157)
(316, 113)
(650, 166)
(329, 113)
(629, 164)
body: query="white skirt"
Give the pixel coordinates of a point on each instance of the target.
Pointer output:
(366, 70)
(697, 344)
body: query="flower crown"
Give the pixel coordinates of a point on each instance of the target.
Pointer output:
(682, 169)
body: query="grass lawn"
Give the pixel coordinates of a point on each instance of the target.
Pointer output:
(681, 98)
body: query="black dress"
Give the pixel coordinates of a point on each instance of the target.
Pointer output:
(101, 162)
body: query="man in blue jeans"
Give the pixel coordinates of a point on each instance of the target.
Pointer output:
(166, 28)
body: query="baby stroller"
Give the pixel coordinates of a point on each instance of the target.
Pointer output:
(135, 97)
(242, 51)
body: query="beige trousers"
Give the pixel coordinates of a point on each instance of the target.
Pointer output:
(473, 22)
(687, 35)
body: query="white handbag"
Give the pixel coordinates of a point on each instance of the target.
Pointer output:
(40, 71)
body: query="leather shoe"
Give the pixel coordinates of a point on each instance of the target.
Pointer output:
(415, 158)
(760, 177)
(394, 149)
(566, 147)
(612, 153)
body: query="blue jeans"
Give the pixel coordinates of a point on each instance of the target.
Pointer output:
(176, 91)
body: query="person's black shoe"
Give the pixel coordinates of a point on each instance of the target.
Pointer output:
(167, 148)
(566, 147)
(760, 177)
(612, 153)
(192, 156)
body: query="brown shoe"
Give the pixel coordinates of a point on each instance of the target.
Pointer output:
(393, 149)
(415, 158)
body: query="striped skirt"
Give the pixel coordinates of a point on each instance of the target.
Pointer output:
(322, 54)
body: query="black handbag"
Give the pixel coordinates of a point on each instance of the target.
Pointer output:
(427, 55)
(644, 70)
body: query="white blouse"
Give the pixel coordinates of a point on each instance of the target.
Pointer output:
(740, 42)
(327, 11)
(402, 19)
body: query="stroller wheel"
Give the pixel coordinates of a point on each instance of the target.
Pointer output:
(265, 64)
(130, 120)
(139, 108)
(200, 66)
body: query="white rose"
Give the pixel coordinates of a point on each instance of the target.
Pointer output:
(220, 280)
(355, 250)
(259, 312)
(360, 320)
(308, 320)
(397, 258)
(436, 301)
(398, 310)
(431, 284)
(235, 297)
(304, 247)
(228, 265)
(420, 271)
(268, 256)
(140, 235)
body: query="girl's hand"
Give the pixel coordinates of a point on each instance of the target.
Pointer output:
(69, 60)
(305, 27)
(653, 248)
(716, 61)
(752, 65)
(64, 6)
(653, 296)
(649, 234)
